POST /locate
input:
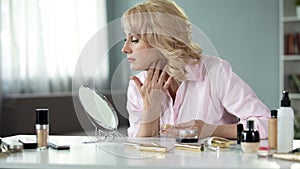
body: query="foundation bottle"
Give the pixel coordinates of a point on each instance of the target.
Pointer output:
(42, 128)
(272, 130)
(250, 138)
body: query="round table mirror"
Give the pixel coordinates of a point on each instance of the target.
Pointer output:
(100, 112)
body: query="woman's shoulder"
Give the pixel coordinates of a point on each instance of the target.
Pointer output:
(210, 61)
(213, 65)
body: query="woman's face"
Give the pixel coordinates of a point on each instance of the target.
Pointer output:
(140, 54)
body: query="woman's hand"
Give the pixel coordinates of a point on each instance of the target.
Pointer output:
(153, 92)
(191, 125)
(204, 129)
(154, 88)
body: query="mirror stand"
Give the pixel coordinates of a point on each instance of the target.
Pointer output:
(110, 136)
(101, 114)
(102, 134)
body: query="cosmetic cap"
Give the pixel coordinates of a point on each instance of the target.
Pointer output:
(250, 124)
(250, 135)
(240, 129)
(42, 116)
(274, 113)
(285, 101)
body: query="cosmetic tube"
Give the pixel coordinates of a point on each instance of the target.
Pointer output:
(218, 142)
(146, 147)
(42, 128)
(272, 130)
(190, 147)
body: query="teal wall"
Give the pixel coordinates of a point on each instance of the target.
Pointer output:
(246, 33)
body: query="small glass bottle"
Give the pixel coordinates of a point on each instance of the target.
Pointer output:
(42, 128)
(250, 138)
(272, 130)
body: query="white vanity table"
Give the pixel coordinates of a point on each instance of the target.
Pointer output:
(113, 155)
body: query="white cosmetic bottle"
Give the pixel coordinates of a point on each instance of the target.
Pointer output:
(285, 128)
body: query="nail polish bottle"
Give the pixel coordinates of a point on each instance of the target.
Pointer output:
(42, 128)
(250, 138)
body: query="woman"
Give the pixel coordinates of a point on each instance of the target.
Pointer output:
(180, 87)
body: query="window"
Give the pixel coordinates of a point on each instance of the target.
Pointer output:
(41, 41)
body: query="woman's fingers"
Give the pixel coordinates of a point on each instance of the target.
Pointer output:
(190, 124)
(174, 129)
(156, 79)
(168, 83)
(185, 124)
(137, 81)
(149, 76)
(156, 73)
(162, 78)
(170, 132)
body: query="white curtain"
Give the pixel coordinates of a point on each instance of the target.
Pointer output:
(42, 39)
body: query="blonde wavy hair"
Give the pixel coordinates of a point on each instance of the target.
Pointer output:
(165, 26)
